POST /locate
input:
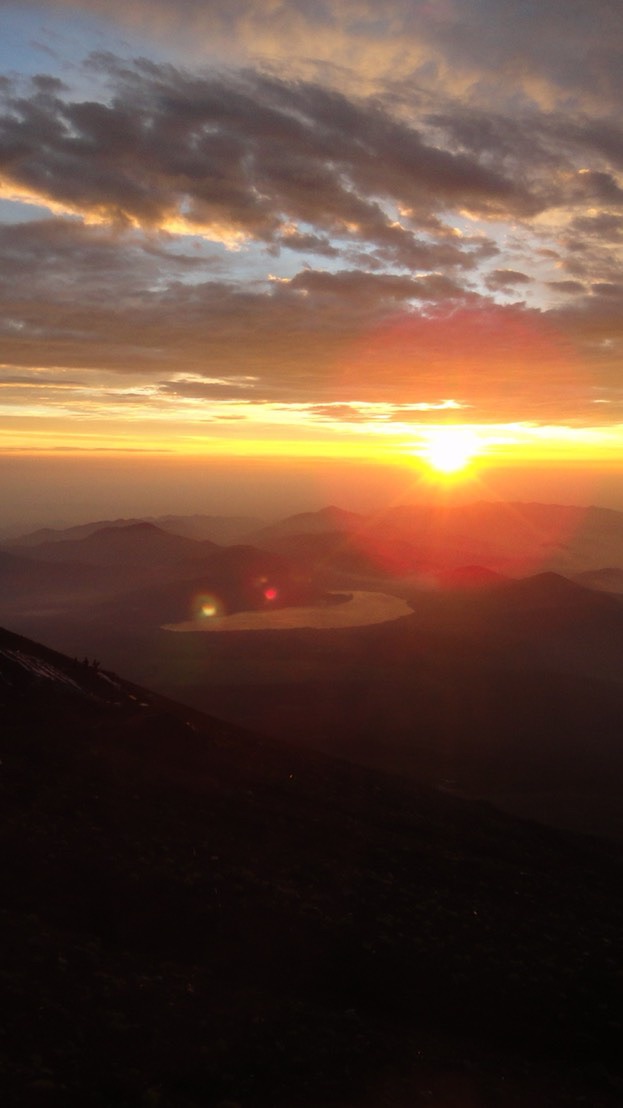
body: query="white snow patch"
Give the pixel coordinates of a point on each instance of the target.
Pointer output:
(39, 668)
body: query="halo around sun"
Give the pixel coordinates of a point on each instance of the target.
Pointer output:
(449, 450)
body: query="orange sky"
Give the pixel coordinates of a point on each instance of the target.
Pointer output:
(290, 231)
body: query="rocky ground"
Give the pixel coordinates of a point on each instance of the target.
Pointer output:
(197, 917)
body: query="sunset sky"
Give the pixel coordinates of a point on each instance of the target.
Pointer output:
(279, 231)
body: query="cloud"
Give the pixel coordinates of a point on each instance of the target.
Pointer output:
(344, 413)
(377, 289)
(573, 287)
(523, 51)
(607, 288)
(417, 146)
(293, 164)
(306, 242)
(506, 279)
(35, 379)
(245, 158)
(96, 306)
(500, 363)
(605, 225)
(196, 388)
(64, 254)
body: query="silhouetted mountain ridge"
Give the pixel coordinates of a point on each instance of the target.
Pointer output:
(219, 529)
(508, 538)
(607, 579)
(137, 543)
(329, 519)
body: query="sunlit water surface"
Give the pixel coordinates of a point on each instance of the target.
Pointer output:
(362, 609)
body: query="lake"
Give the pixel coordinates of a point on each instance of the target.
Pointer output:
(363, 608)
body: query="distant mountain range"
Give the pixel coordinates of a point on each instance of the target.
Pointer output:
(608, 579)
(508, 538)
(219, 529)
(195, 914)
(535, 658)
(132, 544)
(140, 568)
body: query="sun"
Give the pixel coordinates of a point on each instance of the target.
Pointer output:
(449, 450)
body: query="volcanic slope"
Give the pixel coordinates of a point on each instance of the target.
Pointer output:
(195, 915)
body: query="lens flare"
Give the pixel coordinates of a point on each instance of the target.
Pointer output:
(271, 593)
(207, 606)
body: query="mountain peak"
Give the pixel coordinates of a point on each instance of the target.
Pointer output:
(142, 527)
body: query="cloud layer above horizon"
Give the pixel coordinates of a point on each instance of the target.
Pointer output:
(282, 218)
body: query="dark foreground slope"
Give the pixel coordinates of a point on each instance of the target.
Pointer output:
(199, 917)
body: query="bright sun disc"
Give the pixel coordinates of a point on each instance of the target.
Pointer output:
(450, 449)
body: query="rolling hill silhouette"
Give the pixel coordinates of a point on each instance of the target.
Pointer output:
(607, 579)
(327, 520)
(510, 538)
(218, 529)
(133, 544)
